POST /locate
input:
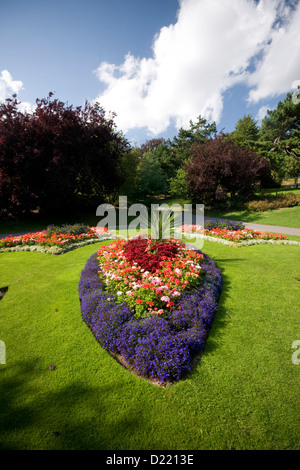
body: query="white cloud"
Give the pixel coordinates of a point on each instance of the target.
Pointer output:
(208, 50)
(26, 107)
(296, 84)
(280, 64)
(8, 86)
(262, 112)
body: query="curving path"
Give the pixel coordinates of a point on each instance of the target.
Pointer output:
(264, 228)
(190, 218)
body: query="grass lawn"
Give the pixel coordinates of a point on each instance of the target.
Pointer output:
(286, 217)
(36, 222)
(280, 191)
(244, 393)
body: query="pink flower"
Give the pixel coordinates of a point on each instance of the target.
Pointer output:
(175, 293)
(165, 298)
(130, 293)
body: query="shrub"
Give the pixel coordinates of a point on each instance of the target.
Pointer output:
(272, 201)
(228, 225)
(72, 229)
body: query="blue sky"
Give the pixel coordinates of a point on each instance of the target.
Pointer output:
(156, 63)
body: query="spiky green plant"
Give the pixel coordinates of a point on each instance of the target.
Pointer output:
(161, 225)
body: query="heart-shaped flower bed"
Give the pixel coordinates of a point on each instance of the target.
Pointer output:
(158, 338)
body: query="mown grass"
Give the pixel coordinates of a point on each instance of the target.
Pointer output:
(242, 395)
(279, 191)
(36, 222)
(287, 217)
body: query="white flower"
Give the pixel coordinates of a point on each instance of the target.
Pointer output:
(119, 292)
(175, 293)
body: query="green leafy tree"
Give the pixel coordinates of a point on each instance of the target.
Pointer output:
(151, 179)
(169, 156)
(246, 131)
(198, 132)
(282, 122)
(178, 184)
(128, 166)
(280, 135)
(292, 166)
(151, 144)
(163, 155)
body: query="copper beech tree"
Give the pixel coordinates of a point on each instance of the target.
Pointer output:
(57, 158)
(219, 171)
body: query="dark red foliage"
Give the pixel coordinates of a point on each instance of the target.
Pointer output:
(219, 167)
(57, 157)
(151, 144)
(149, 256)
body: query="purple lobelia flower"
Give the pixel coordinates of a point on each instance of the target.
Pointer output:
(156, 347)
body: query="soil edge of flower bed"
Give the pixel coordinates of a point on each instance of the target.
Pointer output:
(130, 368)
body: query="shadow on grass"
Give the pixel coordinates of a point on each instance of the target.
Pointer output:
(73, 417)
(221, 320)
(243, 216)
